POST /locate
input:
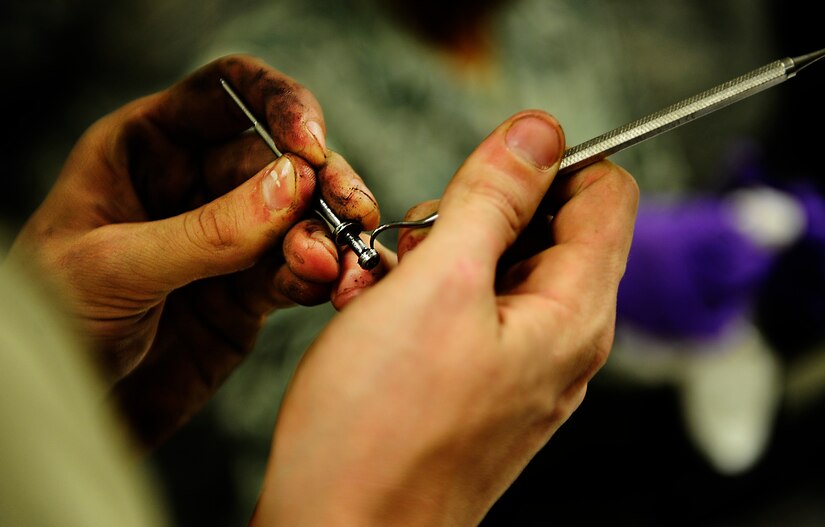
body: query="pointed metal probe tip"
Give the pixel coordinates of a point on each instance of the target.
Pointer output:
(807, 59)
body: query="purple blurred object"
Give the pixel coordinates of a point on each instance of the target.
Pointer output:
(690, 271)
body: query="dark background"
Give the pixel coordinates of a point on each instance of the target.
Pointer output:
(622, 459)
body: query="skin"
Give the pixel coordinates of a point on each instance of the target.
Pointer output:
(425, 398)
(435, 385)
(171, 240)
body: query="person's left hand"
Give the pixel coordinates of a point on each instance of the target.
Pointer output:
(173, 233)
(424, 399)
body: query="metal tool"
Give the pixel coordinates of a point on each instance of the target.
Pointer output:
(659, 122)
(343, 232)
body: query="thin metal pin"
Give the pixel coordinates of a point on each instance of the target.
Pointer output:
(675, 115)
(343, 232)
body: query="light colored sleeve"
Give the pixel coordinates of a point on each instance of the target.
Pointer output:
(63, 459)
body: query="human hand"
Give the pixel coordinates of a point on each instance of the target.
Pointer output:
(425, 398)
(173, 233)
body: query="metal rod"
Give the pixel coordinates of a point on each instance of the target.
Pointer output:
(682, 112)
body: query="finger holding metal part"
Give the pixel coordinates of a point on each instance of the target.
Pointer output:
(345, 233)
(682, 112)
(348, 233)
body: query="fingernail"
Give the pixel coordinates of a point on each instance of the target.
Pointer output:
(318, 133)
(535, 141)
(278, 184)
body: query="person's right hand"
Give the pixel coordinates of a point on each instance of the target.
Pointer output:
(424, 398)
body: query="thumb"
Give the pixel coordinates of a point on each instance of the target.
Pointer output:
(496, 191)
(224, 235)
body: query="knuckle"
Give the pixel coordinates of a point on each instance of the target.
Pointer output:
(619, 180)
(505, 204)
(600, 350)
(625, 183)
(212, 228)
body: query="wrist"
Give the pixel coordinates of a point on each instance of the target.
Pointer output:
(409, 489)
